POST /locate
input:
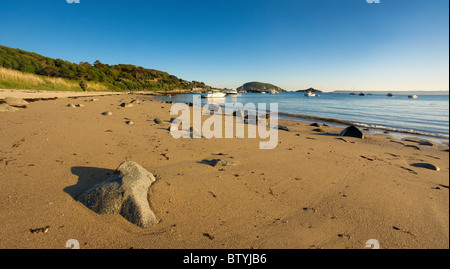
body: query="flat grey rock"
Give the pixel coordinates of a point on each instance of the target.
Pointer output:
(14, 101)
(124, 193)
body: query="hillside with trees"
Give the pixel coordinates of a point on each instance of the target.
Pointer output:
(121, 77)
(256, 86)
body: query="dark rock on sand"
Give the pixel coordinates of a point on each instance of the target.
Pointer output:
(284, 128)
(126, 105)
(427, 166)
(124, 193)
(219, 162)
(315, 124)
(352, 131)
(107, 113)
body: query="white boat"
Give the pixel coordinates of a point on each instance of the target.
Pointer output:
(213, 94)
(272, 91)
(413, 96)
(309, 93)
(233, 92)
(263, 92)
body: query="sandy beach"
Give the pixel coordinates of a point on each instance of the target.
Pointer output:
(314, 190)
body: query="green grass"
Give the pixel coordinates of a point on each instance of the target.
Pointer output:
(13, 79)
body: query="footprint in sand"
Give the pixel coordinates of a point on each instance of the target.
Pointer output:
(407, 169)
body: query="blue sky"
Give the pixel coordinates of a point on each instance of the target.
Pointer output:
(295, 44)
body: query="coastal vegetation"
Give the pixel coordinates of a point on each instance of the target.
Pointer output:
(40, 72)
(13, 79)
(256, 86)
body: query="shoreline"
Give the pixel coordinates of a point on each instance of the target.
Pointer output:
(30, 95)
(392, 131)
(366, 128)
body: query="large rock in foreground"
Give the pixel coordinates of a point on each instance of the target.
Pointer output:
(125, 193)
(14, 101)
(352, 131)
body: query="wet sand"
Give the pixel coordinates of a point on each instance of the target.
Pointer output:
(314, 190)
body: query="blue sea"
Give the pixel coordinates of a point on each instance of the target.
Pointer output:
(428, 115)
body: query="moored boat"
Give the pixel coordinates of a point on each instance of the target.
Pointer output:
(233, 92)
(309, 94)
(213, 94)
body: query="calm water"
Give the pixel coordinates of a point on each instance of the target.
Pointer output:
(427, 115)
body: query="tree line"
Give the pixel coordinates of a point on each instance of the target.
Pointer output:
(124, 77)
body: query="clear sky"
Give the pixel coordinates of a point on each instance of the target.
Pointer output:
(294, 44)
